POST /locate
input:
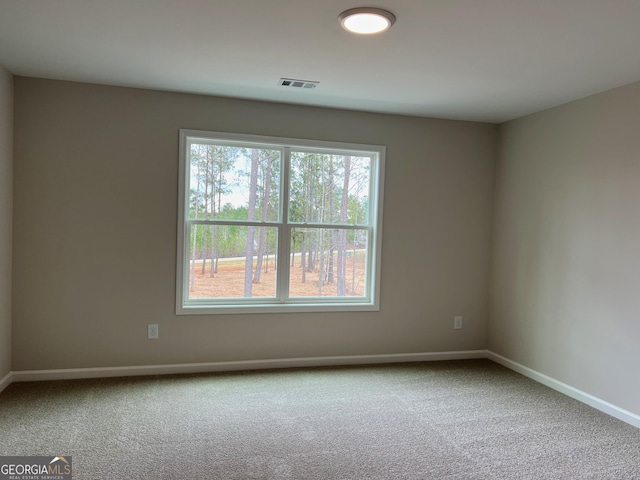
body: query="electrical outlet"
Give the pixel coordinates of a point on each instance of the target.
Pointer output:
(457, 323)
(152, 331)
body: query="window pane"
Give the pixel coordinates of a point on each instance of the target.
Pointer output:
(329, 188)
(328, 262)
(234, 274)
(230, 182)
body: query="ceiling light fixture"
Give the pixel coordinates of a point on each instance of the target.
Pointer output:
(366, 20)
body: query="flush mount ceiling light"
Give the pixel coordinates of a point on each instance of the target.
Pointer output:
(366, 20)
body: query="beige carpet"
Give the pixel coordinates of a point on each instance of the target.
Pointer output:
(435, 420)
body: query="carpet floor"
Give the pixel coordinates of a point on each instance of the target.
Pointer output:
(471, 419)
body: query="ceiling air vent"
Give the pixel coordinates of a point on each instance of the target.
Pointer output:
(290, 82)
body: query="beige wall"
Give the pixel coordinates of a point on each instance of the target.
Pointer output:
(566, 261)
(95, 232)
(6, 202)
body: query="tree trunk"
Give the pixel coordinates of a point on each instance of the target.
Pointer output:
(313, 251)
(263, 218)
(332, 243)
(251, 213)
(333, 232)
(219, 206)
(342, 236)
(212, 228)
(207, 182)
(192, 279)
(293, 252)
(353, 270)
(303, 252)
(321, 265)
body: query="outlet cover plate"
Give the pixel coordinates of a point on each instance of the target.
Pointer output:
(152, 331)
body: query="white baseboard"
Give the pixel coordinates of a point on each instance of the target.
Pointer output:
(103, 372)
(100, 372)
(6, 381)
(595, 402)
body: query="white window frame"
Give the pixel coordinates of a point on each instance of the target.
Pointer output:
(283, 303)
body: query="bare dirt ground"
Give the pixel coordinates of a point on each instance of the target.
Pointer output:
(228, 282)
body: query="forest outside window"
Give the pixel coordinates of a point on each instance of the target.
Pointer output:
(275, 224)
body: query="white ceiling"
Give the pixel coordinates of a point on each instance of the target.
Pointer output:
(482, 60)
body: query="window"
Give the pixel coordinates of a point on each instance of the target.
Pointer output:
(274, 224)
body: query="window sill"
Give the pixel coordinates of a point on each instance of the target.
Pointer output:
(265, 308)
